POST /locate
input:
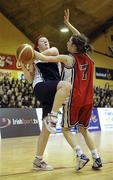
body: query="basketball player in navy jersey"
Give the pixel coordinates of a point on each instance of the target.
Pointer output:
(81, 98)
(46, 81)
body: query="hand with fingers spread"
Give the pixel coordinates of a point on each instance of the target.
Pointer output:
(66, 16)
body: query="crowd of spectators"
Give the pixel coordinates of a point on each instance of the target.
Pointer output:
(103, 97)
(19, 94)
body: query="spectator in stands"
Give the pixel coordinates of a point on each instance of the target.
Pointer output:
(12, 104)
(26, 101)
(4, 102)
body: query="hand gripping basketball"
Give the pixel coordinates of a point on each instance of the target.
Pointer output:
(25, 53)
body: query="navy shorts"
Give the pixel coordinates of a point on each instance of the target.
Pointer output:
(45, 93)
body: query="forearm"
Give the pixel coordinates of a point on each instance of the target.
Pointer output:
(51, 52)
(60, 58)
(40, 56)
(72, 28)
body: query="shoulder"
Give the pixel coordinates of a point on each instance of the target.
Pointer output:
(92, 61)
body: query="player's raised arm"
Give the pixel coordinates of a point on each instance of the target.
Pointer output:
(68, 24)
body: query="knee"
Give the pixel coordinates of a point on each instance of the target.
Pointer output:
(65, 87)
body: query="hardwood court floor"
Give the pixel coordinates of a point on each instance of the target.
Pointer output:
(17, 154)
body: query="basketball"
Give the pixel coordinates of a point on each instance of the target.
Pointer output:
(24, 53)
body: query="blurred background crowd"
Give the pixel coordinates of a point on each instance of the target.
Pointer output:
(19, 94)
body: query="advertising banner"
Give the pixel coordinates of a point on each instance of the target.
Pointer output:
(94, 124)
(103, 73)
(106, 118)
(16, 122)
(10, 74)
(9, 62)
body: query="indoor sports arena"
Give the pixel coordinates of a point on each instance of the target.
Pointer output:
(56, 90)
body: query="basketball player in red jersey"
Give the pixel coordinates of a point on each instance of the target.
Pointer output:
(81, 98)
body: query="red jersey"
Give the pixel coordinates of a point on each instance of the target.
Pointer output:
(82, 86)
(82, 80)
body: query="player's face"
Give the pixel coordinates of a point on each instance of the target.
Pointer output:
(71, 47)
(43, 44)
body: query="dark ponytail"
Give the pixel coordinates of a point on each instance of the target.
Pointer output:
(82, 43)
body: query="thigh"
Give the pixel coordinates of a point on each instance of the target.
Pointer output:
(84, 115)
(70, 118)
(45, 91)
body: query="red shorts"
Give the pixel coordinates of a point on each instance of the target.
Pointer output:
(80, 115)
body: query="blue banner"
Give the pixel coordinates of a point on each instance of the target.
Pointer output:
(94, 124)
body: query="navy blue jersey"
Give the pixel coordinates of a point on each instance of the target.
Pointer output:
(48, 71)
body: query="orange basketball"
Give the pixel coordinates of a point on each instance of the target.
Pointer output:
(24, 53)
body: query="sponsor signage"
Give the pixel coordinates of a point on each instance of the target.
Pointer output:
(9, 62)
(15, 122)
(94, 124)
(103, 73)
(106, 118)
(10, 67)
(11, 74)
